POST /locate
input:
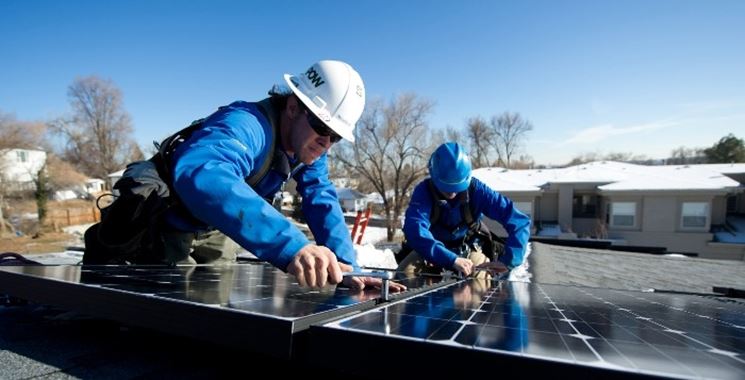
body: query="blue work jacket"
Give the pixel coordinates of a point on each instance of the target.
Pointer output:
(427, 239)
(209, 175)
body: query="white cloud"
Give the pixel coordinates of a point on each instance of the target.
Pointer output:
(604, 132)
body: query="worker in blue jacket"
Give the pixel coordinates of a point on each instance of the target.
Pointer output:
(443, 227)
(226, 168)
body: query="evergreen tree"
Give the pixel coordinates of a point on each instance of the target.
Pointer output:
(42, 195)
(729, 149)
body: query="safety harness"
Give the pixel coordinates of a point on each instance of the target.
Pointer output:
(169, 145)
(466, 212)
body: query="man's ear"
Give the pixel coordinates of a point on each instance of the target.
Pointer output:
(292, 107)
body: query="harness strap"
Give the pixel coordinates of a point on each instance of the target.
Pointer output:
(465, 208)
(265, 106)
(166, 148)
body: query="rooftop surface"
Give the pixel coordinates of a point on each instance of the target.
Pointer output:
(598, 268)
(616, 176)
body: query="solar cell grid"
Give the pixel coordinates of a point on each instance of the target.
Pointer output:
(636, 333)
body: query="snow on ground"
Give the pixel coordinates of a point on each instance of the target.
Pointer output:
(522, 273)
(77, 230)
(376, 235)
(370, 257)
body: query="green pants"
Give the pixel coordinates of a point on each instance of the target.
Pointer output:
(211, 247)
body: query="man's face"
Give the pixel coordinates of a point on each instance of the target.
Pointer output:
(308, 144)
(449, 195)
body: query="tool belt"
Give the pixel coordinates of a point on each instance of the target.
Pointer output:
(491, 245)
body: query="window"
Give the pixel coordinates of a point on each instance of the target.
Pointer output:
(585, 206)
(525, 207)
(694, 214)
(22, 155)
(623, 214)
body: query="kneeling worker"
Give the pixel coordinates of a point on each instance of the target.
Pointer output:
(443, 227)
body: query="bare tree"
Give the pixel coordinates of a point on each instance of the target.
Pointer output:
(15, 134)
(509, 130)
(624, 157)
(479, 136)
(449, 134)
(612, 156)
(98, 136)
(523, 162)
(62, 175)
(683, 155)
(585, 158)
(452, 134)
(391, 151)
(136, 154)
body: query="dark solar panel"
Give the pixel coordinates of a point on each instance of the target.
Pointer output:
(439, 327)
(510, 327)
(254, 306)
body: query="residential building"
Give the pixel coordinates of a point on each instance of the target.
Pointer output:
(351, 200)
(95, 185)
(694, 209)
(20, 167)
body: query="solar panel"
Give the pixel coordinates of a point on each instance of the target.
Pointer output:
(501, 328)
(439, 327)
(254, 306)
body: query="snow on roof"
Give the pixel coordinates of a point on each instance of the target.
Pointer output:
(116, 174)
(725, 168)
(503, 180)
(616, 176)
(375, 198)
(346, 193)
(688, 177)
(594, 172)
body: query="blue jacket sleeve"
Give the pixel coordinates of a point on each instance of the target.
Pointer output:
(417, 229)
(500, 208)
(209, 173)
(323, 212)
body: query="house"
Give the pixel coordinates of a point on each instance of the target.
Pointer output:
(351, 200)
(115, 176)
(112, 178)
(698, 209)
(94, 185)
(20, 167)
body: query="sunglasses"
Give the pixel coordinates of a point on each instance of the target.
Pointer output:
(319, 126)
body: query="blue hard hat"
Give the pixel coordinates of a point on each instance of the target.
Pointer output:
(450, 168)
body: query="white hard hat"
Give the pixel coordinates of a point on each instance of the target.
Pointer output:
(334, 92)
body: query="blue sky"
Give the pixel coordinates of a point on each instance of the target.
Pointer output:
(592, 76)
